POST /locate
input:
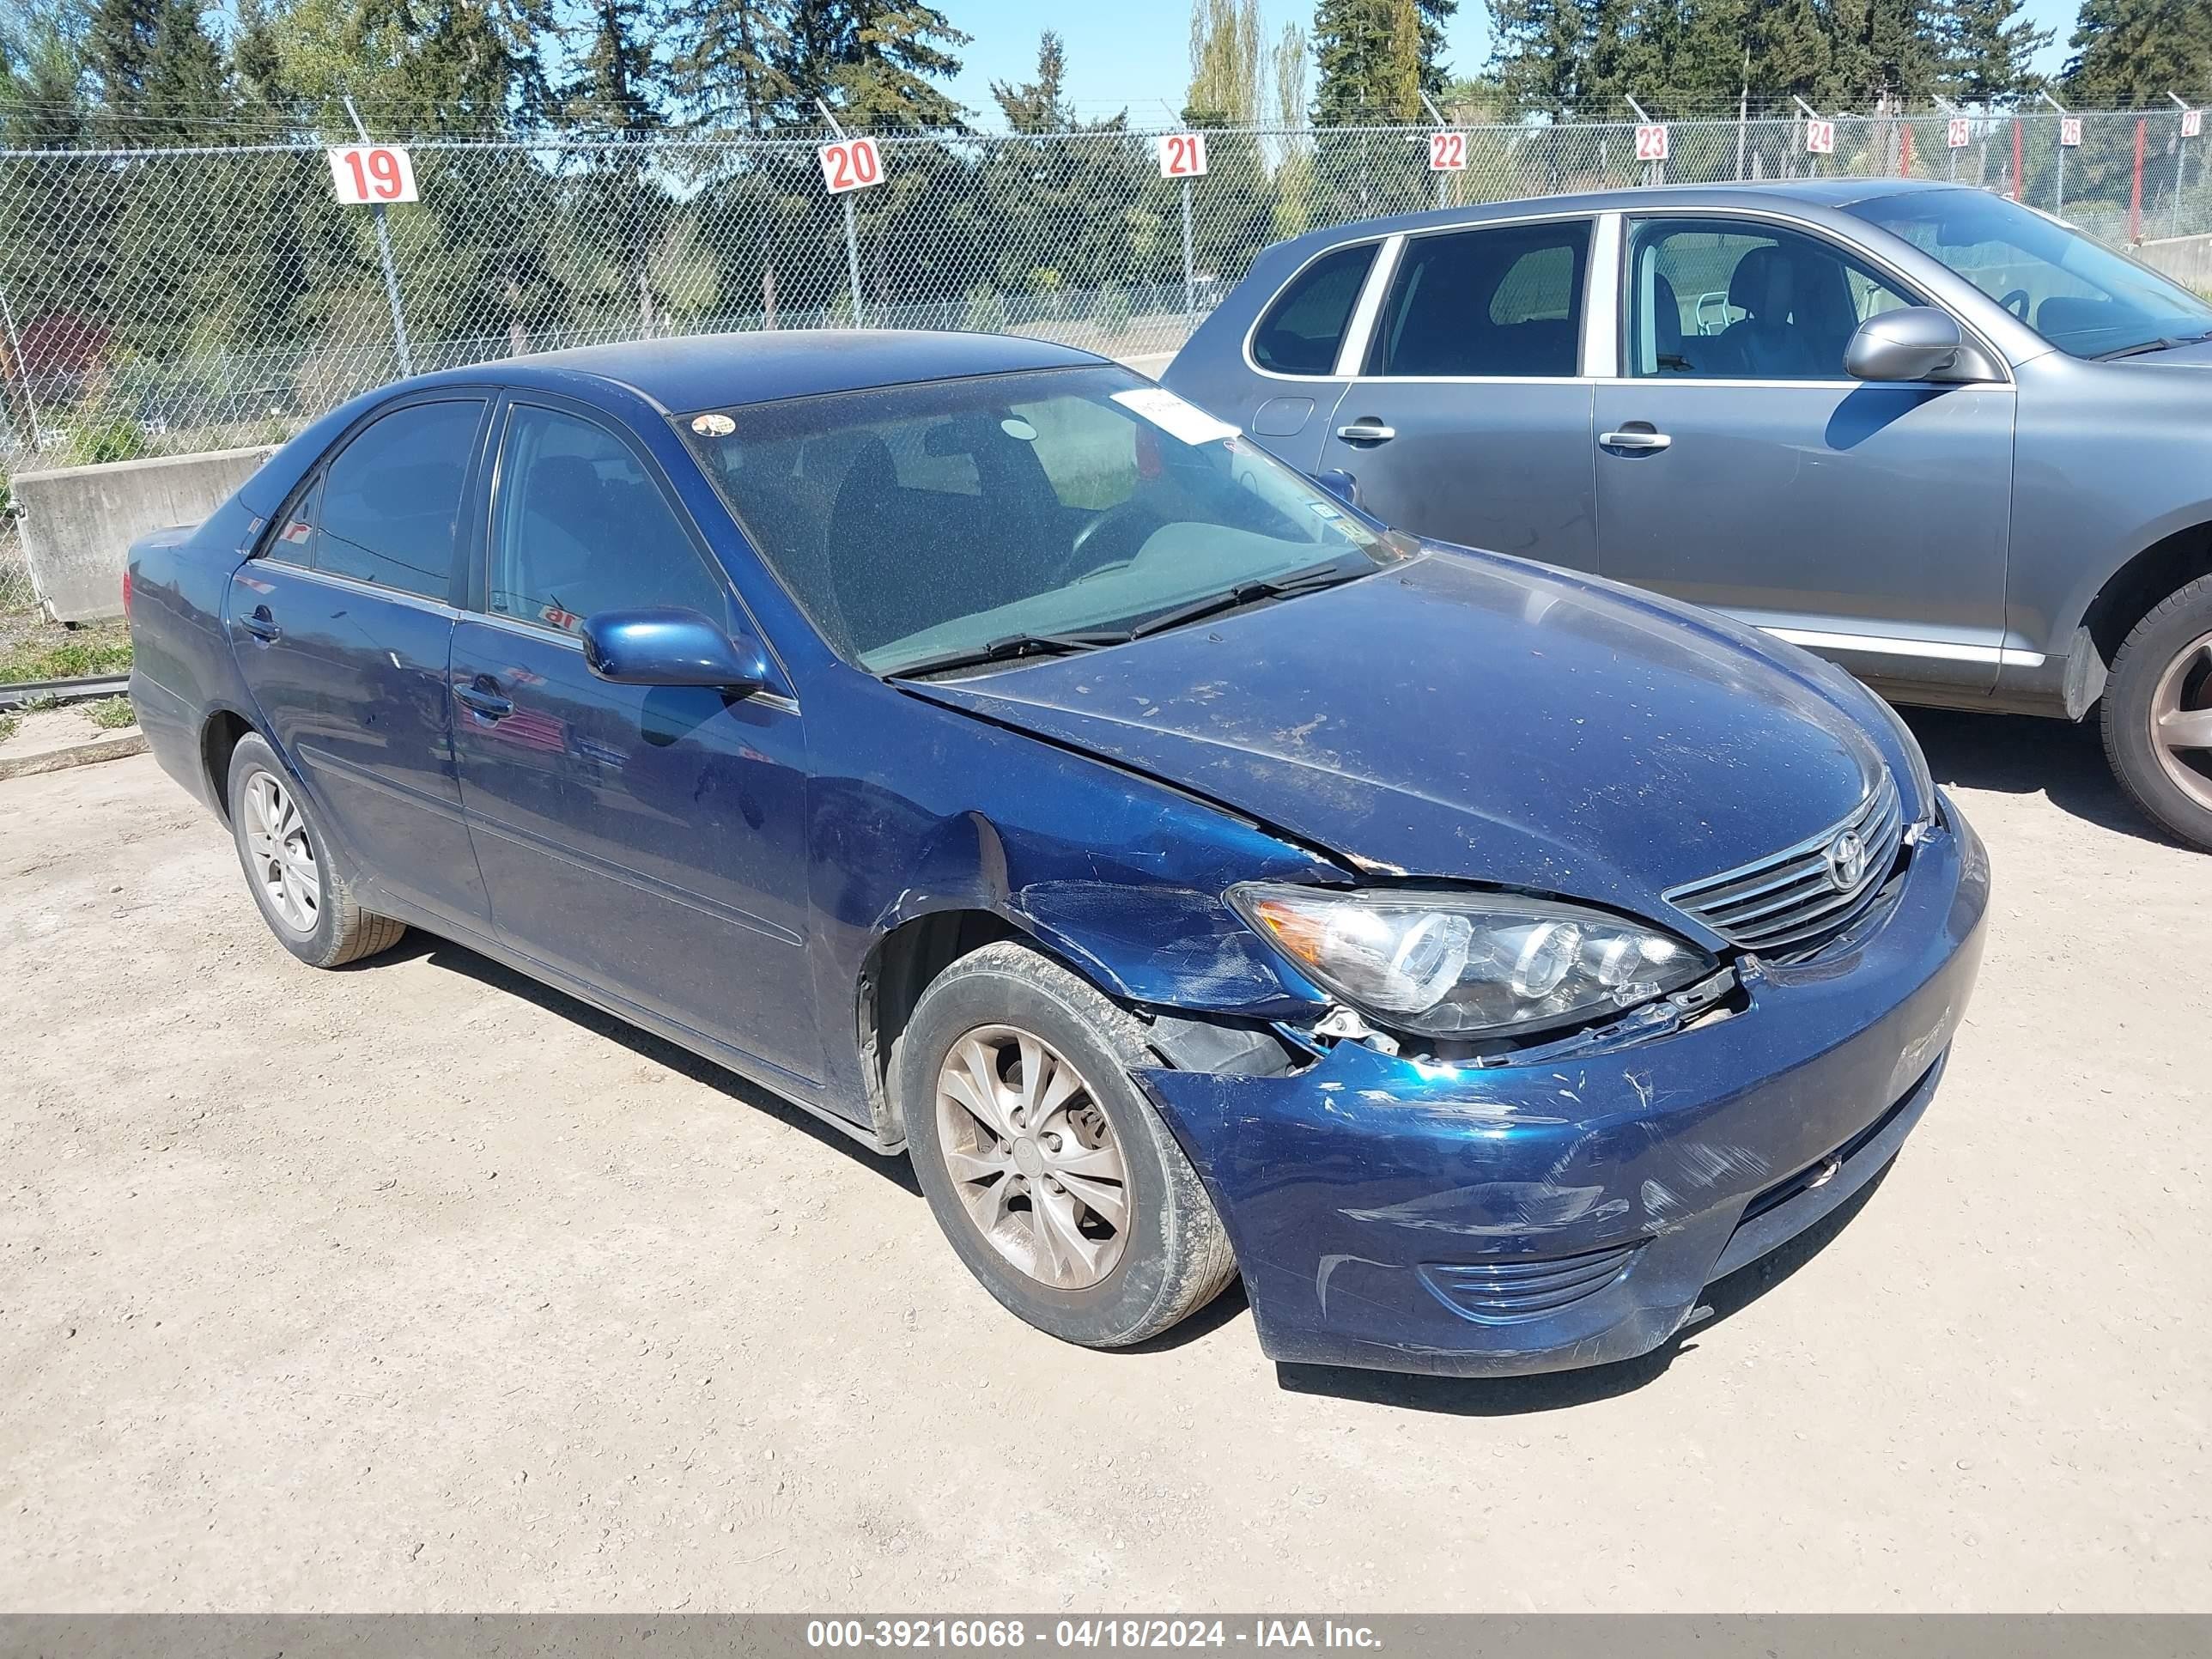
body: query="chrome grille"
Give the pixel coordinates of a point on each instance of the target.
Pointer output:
(1795, 900)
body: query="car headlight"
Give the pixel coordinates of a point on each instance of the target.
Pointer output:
(1469, 964)
(1923, 781)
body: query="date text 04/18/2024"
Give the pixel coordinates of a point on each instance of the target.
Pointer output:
(1085, 1633)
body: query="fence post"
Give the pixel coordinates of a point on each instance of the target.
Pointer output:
(2015, 158)
(384, 256)
(2135, 190)
(2180, 158)
(852, 233)
(23, 370)
(1190, 270)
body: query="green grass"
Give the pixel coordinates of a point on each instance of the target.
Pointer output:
(75, 657)
(111, 713)
(9, 722)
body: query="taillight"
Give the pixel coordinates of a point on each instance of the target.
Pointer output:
(126, 593)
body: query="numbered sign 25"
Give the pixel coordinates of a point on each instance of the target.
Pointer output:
(1182, 154)
(367, 175)
(2192, 123)
(1819, 137)
(850, 164)
(1650, 144)
(1447, 152)
(1960, 132)
(2070, 131)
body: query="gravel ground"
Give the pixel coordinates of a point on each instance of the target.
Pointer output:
(417, 1286)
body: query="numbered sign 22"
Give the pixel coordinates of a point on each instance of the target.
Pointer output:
(1447, 152)
(850, 164)
(1819, 137)
(368, 175)
(1960, 132)
(2192, 123)
(2070, 131)
(1182, 154)
(1651, 143)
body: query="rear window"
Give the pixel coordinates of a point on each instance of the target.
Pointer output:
(1302, 329)
(1495, 301)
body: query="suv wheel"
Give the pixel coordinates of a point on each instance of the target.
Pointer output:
(2158, 714)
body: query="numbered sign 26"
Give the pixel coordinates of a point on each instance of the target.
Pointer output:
(850, 164)
(2070, 131)
(1447, 152)
(1182, 154)
(367, 175)
(1819, 137)
(1960, 132)
(1650, 144)
(2192, 123)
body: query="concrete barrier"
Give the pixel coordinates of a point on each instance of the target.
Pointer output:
(2187, 259)
(77, 522)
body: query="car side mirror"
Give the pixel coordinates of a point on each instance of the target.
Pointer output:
(669, 646)
(1340, 484)
(1914, 343)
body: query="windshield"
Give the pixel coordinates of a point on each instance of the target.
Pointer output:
(914, 524)
(2075, 292)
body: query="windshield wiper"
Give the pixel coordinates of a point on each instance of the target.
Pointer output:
(1007, 649)
(2165, 342)
(1311, 580)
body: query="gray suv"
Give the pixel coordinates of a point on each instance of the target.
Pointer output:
(1947, 441)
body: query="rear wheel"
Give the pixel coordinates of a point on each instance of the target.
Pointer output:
(308, 904)
(2158, 714)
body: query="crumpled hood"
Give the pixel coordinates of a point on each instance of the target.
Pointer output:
(1467, 716)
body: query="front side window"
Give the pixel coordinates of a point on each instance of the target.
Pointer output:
(1732, 300)
(581, 526)
(1475, 302)
(1305, 327)
(389, 503)
(2076, 293)
(1100, 503)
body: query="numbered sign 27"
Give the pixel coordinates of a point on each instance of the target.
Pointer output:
(1182, 154)
(2192, 123)
(1651, 143)
(1819, 137)
(1960, 132)
(1447, 152)
(850, 164)
(368, 175)
(2070, 131)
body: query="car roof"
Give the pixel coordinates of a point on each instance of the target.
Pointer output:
(720, 371)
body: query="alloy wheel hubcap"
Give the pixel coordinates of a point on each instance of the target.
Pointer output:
(2181, 721)
(1039, 1171)
(284, 860)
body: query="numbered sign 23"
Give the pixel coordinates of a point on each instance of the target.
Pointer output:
(850, 164)
(1960, 132)
(1447, 152)
(1819, 137)
(1182, 154)
(1650, 144)
(365, 175)
(2070, 131)
(2192, 123)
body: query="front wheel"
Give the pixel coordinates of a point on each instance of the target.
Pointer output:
(1054, 1179)
(2158, 714)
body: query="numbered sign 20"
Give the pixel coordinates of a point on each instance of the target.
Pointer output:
(1447, 152)
(1819, 137)
(1651, 143)
(368, 175)
(1182, 154)
(2070, 131)
(850, 164)
(2192, 123)
(1960, 132)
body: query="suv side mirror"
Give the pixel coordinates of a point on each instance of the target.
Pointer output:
(1914, 343)
(670, 647)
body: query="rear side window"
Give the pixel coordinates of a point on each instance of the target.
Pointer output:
(388, 504)
(1503, 301)
(1302, 329)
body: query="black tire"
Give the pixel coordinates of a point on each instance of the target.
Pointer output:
(1175, 1256)
(342, 931)
(2173, 626)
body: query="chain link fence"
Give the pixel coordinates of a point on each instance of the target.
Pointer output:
(173, 300)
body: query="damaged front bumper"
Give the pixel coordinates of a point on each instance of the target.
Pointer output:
(1486, 1220)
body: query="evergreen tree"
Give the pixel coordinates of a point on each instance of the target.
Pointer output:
(1986, 50)
(2135, 51)
(730, 59)
(617, 81)
(872, 60)
(1037, 105)
(1362, 47)
(1541, 52)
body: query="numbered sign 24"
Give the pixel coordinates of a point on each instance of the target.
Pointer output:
(1651, 143)
(2070, 131)
(1182, 154)
(850, 164)
(1447, 152)
(368, 175)
(1819, 137)
(2192, 123)
(1960, 132)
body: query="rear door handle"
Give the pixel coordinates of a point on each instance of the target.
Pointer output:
(261, 624)
(1635, 436)
(483, 698)
(1367, 430)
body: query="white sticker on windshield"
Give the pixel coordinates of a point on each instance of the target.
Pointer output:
(1016, 427)
(1178, 419)
(713, 426)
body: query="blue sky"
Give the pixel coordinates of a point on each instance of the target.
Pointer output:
(1135, 53)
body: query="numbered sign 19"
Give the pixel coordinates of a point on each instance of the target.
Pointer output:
(368, 175)
(1960, 132)
(1651, 143)
(1182, 154)
(1447, 152)
(2192, 123)
(2070, 131)
(850, 164)
(1819, 137)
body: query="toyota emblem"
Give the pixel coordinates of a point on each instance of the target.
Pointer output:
(1847, 860)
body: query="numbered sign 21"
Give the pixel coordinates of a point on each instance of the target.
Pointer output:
(1447, 152)
(1182, 154)
(368, 175)
(1960, 132)
(1819, 137)
(2192, 123)
(1651, 143)
(2070, 131)
(850, 164)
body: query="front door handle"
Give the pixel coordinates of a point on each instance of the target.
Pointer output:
(261, 624)
(483, 698)
(1636, 435)
(1367, 430)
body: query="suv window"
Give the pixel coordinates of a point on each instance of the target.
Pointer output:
(1302, 329)
(387, 506)
(1727, 299)
(1502, 302)
(580, 527)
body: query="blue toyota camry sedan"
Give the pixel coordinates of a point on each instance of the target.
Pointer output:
(1003, 759)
